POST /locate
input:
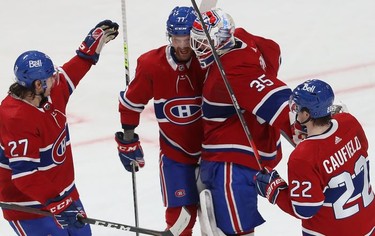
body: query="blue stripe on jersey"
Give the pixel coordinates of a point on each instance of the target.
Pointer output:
(49, 157)
(272, 102)
(307, 232)
(128, 104)
(23, 166)
(215, 110)
(240, 149)
(4, 162)
(306, 210)
(334, 193)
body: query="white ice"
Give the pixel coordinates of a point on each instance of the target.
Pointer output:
(331, 40)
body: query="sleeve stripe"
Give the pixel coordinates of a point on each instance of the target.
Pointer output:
(267, 96)
(23, 174)
(281, 108)
(15, 159)
(71, 85)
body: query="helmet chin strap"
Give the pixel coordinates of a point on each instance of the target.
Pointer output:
(304, 122)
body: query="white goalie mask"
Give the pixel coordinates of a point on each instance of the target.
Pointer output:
(220, 27)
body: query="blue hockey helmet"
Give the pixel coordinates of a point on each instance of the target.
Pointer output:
(180, 21)
(316, 96)
(31, 66)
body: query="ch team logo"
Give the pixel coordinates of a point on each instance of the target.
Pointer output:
(210, 18)
(59, 149)
(182, 111)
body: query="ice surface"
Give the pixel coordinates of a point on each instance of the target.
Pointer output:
(331, 40)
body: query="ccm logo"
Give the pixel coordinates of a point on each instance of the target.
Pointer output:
(61, 205)
(127, 149)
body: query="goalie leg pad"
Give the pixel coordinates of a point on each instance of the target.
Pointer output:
(206, 215)
(173, 213)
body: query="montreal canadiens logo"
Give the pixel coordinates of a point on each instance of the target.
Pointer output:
(59, 149)
(183, 111)
(209, 18)
(180, 193)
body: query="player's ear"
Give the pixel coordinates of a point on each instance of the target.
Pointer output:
(38, 86)
(306, 114)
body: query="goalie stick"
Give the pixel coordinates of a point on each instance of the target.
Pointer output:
(228, 86)
(175, 230)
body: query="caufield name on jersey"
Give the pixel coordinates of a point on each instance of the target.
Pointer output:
(342, 155)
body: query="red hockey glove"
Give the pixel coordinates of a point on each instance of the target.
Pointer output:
(66, 212)
(299, 132)
(130, 152)
(268, 184)
(91, 47)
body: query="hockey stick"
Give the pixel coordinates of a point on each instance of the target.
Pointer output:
(175, 230)
(125, 39)
(228, 86)
(127, 80)
(135, 199)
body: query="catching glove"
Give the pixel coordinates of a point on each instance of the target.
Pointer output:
(268, 184)
(66, 212)
(91, 47)
(130, 152)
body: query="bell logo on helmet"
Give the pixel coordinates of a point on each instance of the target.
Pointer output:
(37, 63)
(308, 89)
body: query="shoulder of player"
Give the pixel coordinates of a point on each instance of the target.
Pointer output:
(18, 118)
(304, 150)
(152, 55)
(344, 117)
(257, 40)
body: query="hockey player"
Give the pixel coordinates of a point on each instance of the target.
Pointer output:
(172, 77)
(36, 165)
(328, 173)
(251, 65)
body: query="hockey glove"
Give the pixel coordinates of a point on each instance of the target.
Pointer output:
(130, 152)
(91, 47)
(299, 131)
(66, 212)
(268, 184)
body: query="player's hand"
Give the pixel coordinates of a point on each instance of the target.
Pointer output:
(130, 152)
(268, 184)
(91, 47)
(65, 212)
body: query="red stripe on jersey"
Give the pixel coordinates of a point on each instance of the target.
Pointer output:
(230, 199)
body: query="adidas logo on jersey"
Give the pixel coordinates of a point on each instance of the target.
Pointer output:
(337, 140)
